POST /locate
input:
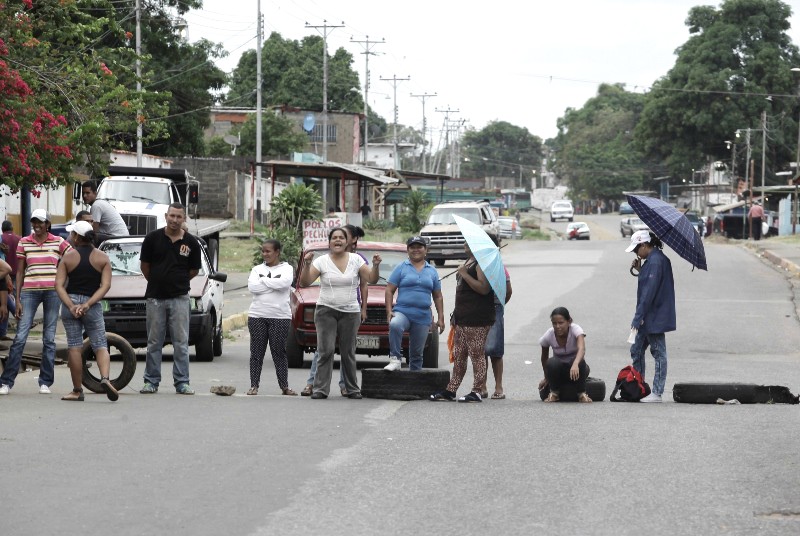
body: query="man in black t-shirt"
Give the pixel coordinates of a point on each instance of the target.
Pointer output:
(170, 258)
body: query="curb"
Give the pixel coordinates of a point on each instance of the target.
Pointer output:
(236, 321)
(776, 259)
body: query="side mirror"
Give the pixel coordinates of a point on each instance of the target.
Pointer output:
(77, 191)
(194, 193)
(219, 276)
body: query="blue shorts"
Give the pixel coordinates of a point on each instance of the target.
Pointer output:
(91, 322)
(495, 341)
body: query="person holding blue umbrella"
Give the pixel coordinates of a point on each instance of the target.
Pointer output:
(655, 307)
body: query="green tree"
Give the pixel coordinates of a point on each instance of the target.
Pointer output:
(278, 136)
(217, 146)
(417, 206)
(594, 150)
(737, 55)
(500, 149)
(295, 203)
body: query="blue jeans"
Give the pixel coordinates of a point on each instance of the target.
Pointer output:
(495, 341)
(12, 308)
(91, 322)
(658, 348)
(417, 335)
(30, 300)
(313, 371)
(174, 312)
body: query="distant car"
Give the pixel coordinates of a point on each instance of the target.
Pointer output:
(561, 210)
(626, 208)
(578, 231)
(372, 338)
(628, 226)
(509, 227)
(697, 223)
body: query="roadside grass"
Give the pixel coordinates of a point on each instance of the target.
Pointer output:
(236, 254)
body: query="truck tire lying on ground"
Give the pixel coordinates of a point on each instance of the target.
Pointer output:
(120, 350)
(745, 393)
(403, 384)
(595, 388)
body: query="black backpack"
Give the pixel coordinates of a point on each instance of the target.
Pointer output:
(630, 385)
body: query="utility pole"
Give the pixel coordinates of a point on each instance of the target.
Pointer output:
(423, 96)
(394, 81)
(139, 112)
(326, 29)
(368, 46)
(259, 84)
(447, 113)
(763, 156)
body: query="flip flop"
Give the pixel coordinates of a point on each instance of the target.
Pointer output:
(498, 396)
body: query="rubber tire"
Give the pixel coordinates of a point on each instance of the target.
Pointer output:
(204, 348)
(438, 262)
(745, 393)
(217, 342)
(430, 356)
(294, 354)
(126, 351)
(595, 388)
(403, 384)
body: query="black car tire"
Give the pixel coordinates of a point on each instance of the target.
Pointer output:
(595, 388)
(745, 393)
(438, 262)
(294, 354)
(118, 347)
(430, 357)
(403, 384)
(204, 348)
(218, 340)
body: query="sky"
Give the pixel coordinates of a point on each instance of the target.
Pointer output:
(505, 60)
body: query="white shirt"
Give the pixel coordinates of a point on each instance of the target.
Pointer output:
(271, 286)
(337, 289)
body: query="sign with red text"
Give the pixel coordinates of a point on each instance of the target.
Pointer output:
(316, 231)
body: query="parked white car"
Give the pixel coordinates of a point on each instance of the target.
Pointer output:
(509, 227)
(561, 210)
(628, 226)
(578, 230)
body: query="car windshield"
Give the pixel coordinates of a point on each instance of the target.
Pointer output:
(134, 191)
(692, 217)
(562, 205)
(389, 261)
(636, 221)
(124, 257)
(444, 216)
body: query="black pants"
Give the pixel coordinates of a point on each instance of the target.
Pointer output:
(558, 375)
(755, 228)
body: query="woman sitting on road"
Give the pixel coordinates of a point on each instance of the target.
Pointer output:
(338, 313)
(269, 316)
(567, 363)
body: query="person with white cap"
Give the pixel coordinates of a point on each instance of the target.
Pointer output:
(655, 307)
(82, 279)
(38, 256)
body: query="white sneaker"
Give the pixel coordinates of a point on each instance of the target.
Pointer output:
(44, 390)
(4, 389)
(394, 364)
(652, 397)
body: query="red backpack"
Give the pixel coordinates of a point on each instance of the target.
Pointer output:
(630, 385)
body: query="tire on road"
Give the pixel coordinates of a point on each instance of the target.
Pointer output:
(217, 342)
(403, 384)
(204, 349)
(745, 393)
(430, 357)
(595, 388)
(118, 347)
(294, 354)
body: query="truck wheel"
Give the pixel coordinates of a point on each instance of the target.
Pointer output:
(217, 340)
(123, 364)
(204, 349)
(403, 384)
(595, 388)
(213, 252)
(294, 354)
(430, 357)
(438, 262)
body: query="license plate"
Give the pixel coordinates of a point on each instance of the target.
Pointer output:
(452, 251)
(367, 341)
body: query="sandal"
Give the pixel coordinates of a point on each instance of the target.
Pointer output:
(76, 395)
(288, 392)
(444, 394)
(584, 398)
(471, 397)
(498, 396)
(307, 390)
(252, 391)
(110, 390)
(552, 397)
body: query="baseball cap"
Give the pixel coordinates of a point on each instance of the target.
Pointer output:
(417, 240)
(40, 214)
(80, 227)
(639, 237)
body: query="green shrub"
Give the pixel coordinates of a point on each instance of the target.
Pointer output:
(291, 244)
(377, 225)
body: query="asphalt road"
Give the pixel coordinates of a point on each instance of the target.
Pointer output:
(271, 464)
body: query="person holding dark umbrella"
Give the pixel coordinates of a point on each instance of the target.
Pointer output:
(655, 307)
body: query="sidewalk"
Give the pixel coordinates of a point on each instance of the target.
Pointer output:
(785, 254)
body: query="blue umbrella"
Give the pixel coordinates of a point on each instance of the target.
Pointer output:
(487, 255)
(672, 227)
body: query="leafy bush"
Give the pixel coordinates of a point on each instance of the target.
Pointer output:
(295, 203)
(291, 243)
(417, 209)
(377, 225)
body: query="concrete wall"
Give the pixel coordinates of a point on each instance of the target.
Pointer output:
(218, 185)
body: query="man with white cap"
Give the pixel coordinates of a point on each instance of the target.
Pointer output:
(83, 278)
(38, 256)
(655, 307)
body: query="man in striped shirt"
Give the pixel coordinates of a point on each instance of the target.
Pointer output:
(37, 262)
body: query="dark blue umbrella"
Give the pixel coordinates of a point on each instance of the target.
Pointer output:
(672, 227)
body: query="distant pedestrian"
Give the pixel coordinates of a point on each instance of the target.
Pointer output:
(107, 222)
(655, 307)
(472, 319)
(170, 258)
(756, 215)
(269, 316)
(38, 256)
(82, 280)
(568, 362)
(417, 284)
(365, 210)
